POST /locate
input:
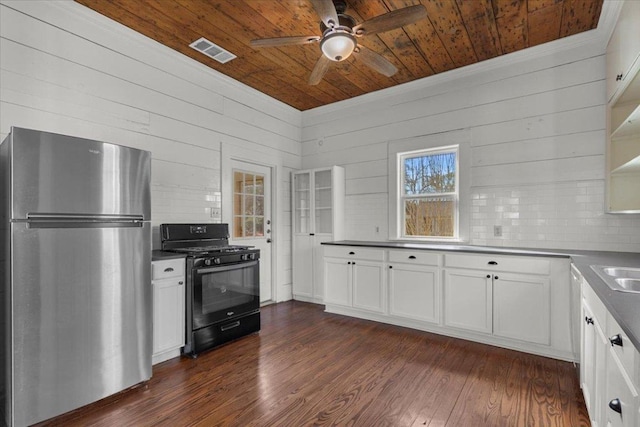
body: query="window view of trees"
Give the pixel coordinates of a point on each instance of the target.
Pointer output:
(429, 185)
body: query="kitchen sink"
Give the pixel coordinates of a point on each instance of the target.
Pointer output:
(623, 279)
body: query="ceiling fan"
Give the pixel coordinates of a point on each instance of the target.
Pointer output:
(340, 35)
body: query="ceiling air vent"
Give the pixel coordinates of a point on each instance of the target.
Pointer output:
(212, 50)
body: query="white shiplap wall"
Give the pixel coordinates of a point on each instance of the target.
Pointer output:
(68, 70)
(536, 131)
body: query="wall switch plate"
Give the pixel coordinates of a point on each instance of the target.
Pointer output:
(497, 231)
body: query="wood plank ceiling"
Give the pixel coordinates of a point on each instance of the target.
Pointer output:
(456, 33)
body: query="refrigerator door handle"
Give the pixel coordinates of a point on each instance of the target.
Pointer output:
(64, 217)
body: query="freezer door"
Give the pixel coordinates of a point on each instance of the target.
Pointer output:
(53, 173)
(81, 311)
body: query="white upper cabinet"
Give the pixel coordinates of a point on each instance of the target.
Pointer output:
(623, 112)
(623, 48)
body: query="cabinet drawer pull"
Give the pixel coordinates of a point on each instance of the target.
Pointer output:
(391, 266)
(352, 253)
(488, 276)
(229, 326)
(181, 283)
(496, 277)
(312, 234)
(616, 405)
(168, 269)
(619, 77)
(589, 320)
(412, 257)
(616, 340)
(492, 263)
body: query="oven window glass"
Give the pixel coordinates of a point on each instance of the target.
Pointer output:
(228, 289)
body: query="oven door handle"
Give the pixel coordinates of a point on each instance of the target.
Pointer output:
(226, 267)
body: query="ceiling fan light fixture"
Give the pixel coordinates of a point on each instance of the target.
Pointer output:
(338, 45)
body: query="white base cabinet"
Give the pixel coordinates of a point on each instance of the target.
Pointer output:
(509, 301)
(609, 367)
(414, 292)
(168, 277)
(467, 300)
(355, 278)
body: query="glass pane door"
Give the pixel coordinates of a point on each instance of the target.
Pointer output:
(323, 202)
(302, 203)
(248, 205)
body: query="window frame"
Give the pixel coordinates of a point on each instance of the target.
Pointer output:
(403, 197)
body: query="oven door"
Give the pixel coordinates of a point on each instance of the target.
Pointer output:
(224, 292)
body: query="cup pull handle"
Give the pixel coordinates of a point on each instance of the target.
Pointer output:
(616, 405)
(412, 257)
(168, 270)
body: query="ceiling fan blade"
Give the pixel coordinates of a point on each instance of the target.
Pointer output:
(319, 70)
(394, 19)
(375, 61)
(284, 41)
(326, 11)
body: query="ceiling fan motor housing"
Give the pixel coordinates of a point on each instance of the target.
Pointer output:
(344, 21)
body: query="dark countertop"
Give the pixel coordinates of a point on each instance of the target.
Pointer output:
(624, 306)
(159, 255)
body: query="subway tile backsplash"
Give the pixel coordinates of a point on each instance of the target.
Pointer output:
(566, 215)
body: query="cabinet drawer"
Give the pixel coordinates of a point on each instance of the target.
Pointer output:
(414, 257)
(355, 252)
(167, 268)
(627, 352)
(527, 265)
(597, 307)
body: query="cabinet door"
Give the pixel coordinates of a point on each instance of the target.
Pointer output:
(621, 394)
(323, 201)
(593, 366)
(588, 360)
(302, 200)
(303, 265)
(368, 286)
(467, 300)
(414, 292)
(168, 315)
(318, 259)
(521, 307)
(624, 46)
(337, 279)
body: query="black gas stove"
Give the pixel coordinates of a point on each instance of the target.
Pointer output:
(223, 284)
(205, 240)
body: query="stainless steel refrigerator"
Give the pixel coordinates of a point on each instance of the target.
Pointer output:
(76, 272)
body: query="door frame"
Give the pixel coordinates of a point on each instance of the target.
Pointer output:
(229, 152)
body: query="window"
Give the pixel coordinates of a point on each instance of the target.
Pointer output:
(248, 205)
(428, 193)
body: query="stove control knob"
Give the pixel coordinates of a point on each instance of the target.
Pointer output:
(252, 256)
(216, 260)
(207, 262)
(244, 257)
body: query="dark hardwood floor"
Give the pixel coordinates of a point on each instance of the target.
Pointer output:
(307, 367)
